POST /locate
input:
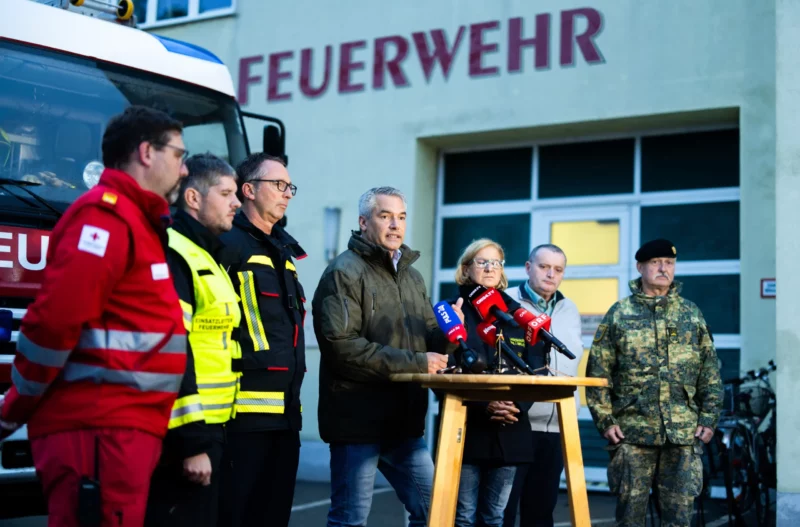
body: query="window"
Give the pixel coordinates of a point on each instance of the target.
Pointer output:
(511, 231)
(493, 175)
(717, 297)
(164, 12)
(703, 231)
(690, 161)
(586, 169)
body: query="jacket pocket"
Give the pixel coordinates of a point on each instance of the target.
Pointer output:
(690, 392)
(616, 472)
(270, 298)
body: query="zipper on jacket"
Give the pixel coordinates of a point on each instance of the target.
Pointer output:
(346, 314)
(553, 407)
(374, 298)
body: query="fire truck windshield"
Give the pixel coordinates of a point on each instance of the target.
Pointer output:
(53, 111)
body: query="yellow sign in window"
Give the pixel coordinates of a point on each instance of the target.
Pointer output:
(593, 242)
(593, 296)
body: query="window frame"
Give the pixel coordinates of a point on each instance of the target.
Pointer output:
(194, 15)
(633, 201)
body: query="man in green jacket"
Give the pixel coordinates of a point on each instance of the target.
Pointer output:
(664, 393)
(373, 318)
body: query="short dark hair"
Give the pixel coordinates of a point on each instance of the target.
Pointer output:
(205, 171)
(250, 168)
(137, 124)
(549, 247)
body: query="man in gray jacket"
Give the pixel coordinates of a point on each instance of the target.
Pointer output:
(536, 484)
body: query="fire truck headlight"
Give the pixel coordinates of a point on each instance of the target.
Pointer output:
(92, 172)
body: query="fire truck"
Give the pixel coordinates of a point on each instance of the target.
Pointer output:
(66, 67)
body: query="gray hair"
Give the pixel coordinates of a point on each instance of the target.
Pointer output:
(369, 199)
(205, 171)
(549, 247)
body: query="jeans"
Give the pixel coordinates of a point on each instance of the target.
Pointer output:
(484, 489)
(407, 466)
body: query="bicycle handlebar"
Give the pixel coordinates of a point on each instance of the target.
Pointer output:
(752, 375)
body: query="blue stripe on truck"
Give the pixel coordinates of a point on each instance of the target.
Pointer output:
(190, 50)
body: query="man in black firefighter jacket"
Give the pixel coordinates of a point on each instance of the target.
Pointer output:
(264, 435)
(184, 489)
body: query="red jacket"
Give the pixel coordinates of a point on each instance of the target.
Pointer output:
(103, 345)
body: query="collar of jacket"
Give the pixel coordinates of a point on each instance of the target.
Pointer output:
(185, 224)
(278, 234)
(636, 288)
(523, 293)
(154, 207)
(374, 253)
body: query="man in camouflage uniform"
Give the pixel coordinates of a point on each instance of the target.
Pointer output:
(664, 392)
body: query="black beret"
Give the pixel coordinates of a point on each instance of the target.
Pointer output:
(660, 248)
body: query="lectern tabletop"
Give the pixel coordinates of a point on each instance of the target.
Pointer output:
(458, 388)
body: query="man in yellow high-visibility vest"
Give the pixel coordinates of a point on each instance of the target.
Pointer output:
(185, 485)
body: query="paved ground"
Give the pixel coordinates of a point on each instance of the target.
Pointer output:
(311, 506)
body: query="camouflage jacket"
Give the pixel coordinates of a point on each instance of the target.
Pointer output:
(659, 358)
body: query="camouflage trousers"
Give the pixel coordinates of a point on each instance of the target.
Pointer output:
(674, 472)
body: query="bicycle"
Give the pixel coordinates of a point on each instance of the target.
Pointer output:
(745, 443)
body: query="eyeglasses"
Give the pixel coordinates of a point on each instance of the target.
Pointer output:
(489, 264)
(183, 151)
(279, 183)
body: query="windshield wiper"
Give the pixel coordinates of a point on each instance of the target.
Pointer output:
(22, 185)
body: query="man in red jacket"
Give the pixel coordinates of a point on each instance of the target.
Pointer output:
(102, 350)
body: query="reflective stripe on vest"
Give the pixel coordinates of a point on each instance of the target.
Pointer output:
(252, 314)
(259, 402)
(188, 409)
(138, 380)
(261, 259)
(186, 307)
(216, 314)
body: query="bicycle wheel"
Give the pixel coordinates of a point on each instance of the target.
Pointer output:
(740, 477)
(761, 481)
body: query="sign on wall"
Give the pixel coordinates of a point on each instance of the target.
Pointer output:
(493, 48)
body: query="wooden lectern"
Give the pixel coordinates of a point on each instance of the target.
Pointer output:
(458, 388)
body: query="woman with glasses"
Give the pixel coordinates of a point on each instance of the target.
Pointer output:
(498, 433)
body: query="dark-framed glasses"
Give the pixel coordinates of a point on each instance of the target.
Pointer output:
(184, 153)
(280, 184)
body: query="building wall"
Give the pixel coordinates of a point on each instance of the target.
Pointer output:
(787, 187)
(640, 66)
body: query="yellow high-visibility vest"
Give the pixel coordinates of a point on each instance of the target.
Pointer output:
(210, 326)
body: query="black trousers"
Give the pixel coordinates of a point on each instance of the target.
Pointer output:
(536, 484)
(258, 478)
(175, 501)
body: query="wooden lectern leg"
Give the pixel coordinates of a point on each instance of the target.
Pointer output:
(573, 462)
(449, 452)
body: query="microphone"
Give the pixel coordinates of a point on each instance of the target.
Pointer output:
(455, 332)
(538, 329)
(488, 334)
(490, 305)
